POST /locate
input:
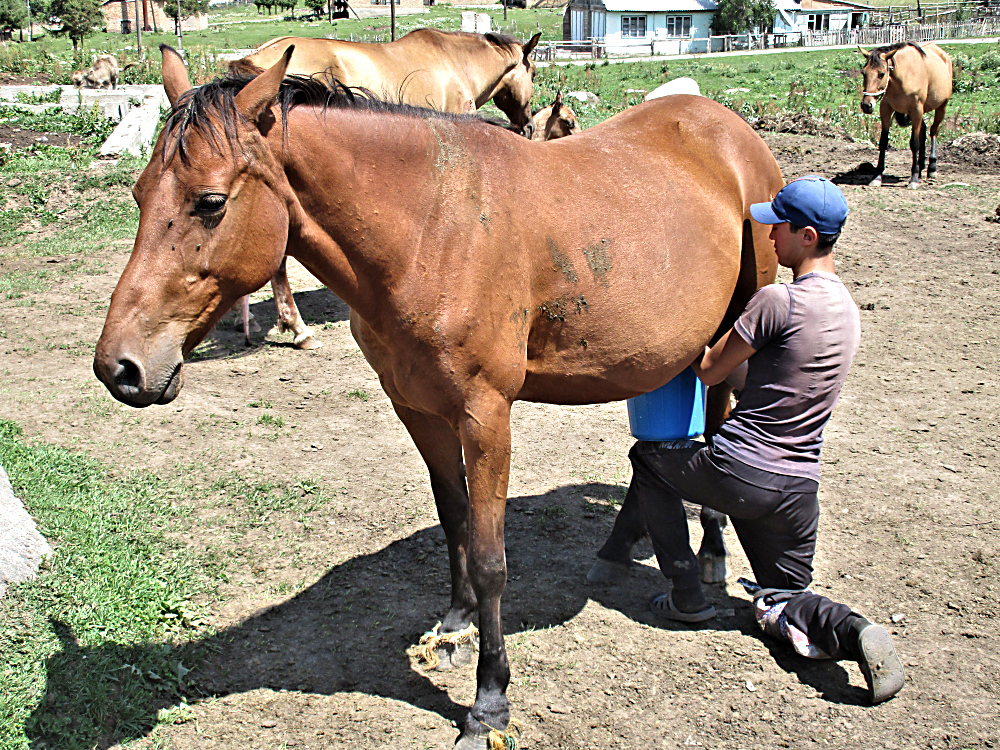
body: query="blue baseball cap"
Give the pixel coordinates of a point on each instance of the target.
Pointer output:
(810, 201)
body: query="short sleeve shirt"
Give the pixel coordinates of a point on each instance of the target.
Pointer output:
(805, 335)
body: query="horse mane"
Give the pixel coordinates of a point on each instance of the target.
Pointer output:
(874, 57)
(192, 108)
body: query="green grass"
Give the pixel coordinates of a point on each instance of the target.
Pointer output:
(824, 83)
(89, 646)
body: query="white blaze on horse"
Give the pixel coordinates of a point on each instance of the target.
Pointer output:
(909, 80)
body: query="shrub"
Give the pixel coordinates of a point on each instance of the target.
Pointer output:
(753, 67)
(990, 60)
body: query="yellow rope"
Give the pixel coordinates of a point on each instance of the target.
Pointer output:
(433, 639)
(505, 740)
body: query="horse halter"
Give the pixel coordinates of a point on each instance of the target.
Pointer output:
(889, 67)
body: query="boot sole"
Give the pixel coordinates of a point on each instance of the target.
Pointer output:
(880, 663)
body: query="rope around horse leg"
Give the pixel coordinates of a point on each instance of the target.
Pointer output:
(433, 639)
(505, 740)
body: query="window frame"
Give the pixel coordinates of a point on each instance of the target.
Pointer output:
(633, 24)
(685, 22)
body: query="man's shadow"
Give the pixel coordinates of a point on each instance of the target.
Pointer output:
(349, 631)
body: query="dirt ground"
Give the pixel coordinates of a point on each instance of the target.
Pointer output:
(314, 625)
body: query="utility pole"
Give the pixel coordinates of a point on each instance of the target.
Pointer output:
(29, 20)
(180, 41)
(138, 30)
(504, 10)
(392, 15)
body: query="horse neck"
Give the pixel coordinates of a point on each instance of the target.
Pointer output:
(360, 181)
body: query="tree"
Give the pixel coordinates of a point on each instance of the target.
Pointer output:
(739, 16)
(188, 8)
(78, 18)
(13, 15)
(318, 7)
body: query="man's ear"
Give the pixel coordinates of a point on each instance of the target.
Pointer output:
(809, 236)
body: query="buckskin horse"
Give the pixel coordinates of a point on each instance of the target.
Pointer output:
(557, 120)
(910, 79)
(464, 296)
(451, 71)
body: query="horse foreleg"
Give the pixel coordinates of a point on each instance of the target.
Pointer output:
(288, 314)
(935, 126)
(885, 114)
(916, 146)
(441, 450)
(485, 433)
(712, 553)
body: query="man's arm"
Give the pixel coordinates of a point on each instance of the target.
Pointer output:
(718, 361)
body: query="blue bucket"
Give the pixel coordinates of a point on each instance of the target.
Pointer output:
(674, 411)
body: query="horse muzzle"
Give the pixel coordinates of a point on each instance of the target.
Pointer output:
(137, 383)
(867, 105)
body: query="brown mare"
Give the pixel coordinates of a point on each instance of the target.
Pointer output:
(911, 80)
(557, 120)
(464, 296)
(449, 71)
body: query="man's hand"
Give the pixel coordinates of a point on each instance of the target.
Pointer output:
(717, 362)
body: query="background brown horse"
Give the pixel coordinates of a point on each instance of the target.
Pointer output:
(557, 120)
(910, 79)
(450, 71)
(464, 296)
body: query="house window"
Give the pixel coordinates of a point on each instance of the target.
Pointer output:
(678, 25)
(633, 26)
(819, 22)
(576, 18)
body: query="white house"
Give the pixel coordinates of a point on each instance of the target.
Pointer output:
(819, 16)
(663, 27)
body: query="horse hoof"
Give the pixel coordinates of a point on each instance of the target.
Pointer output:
(877, 182)
(713, 568)
(307, 342)
(455, 656)
(254, 325)
(467, 741)
(913, 185)
(608, 571)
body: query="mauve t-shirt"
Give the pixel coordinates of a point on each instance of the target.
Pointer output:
(805, 335)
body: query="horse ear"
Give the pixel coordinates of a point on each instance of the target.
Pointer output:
(175, 75)
(863, 51)
(889, 55)
(559, 99)
(530, 45)
(260, 92)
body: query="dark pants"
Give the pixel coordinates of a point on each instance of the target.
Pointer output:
(775, 517)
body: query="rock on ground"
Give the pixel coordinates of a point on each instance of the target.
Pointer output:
(21, 546)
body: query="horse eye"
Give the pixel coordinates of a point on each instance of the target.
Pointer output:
(881, 75)
(210, 204)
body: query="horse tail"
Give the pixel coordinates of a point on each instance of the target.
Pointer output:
(903, 119)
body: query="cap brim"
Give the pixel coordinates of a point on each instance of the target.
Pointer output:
(764, 214)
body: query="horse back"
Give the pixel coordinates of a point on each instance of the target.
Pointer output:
(939, 76)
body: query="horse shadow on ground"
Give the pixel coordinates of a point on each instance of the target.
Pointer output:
(317, 307)
(863, 174)
(349, 631)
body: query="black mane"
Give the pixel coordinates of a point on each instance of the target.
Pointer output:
(192, 108)
(874, 57)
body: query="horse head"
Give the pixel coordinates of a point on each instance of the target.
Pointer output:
(513, 94)
(213, 223)
(875, 72)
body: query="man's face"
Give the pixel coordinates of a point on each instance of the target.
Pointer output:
(787, 244)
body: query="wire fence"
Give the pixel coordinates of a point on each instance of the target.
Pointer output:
(872, 36)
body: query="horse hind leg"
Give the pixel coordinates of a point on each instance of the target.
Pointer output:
(935, 127)
(289, 318)
(713, 552)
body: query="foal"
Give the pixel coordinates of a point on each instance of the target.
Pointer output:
(910, 79)
(554, 121)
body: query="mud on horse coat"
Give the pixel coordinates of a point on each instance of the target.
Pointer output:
(451, 71)
(910, 80)
(464, 296)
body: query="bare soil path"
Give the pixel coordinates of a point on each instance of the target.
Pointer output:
(323, 600)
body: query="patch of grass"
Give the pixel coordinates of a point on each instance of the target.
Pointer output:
(89, 646)
(271, 420)
(358, 394)
(255, 502)
(260, 404)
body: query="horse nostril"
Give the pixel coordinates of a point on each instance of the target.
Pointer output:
(128, 376)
